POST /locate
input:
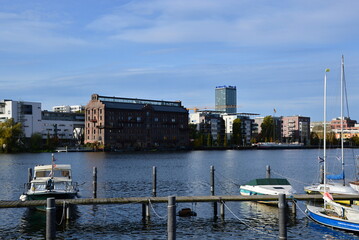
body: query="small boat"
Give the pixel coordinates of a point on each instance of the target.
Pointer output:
(267, 186)
(333, 188)
(53, 180)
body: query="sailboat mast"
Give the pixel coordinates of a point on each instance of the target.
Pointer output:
(342, 116)
(325, 130)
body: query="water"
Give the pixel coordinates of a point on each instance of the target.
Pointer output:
(181, 174)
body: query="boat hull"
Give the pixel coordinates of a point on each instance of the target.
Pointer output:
(316, 214)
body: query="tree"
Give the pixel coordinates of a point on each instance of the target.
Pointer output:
(237, 132)
(11, 135)
(209, 140)
(267, 126)
(36, 142)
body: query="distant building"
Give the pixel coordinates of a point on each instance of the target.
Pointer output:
(247, 126)
(208, 122)
(296, 129)
(226, 99)
(347, 123)
(277, 136)
(66, 126)
(26, 113)
(121, 123)
(68, 109)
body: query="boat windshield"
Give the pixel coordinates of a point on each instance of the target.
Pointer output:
(57, 173)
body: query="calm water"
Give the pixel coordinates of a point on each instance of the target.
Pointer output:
(181, 174)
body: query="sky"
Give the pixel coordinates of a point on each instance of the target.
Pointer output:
(274, 52)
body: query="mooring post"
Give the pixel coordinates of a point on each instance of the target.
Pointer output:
(50, 218)
(94, 182)
(143, 211)
(68, 211)
(148, 212)
(29, 177)
(222, 210)
(154, 181)
(282, 210)
(321, 176)
(171, 218)
(212, 193)
(267, 171)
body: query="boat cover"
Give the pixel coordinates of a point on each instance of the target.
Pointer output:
(268, 181)
(336, 177)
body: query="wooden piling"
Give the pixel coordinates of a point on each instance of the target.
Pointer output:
(222, 210)
(94, 183)
(29, 175)
(282, 210)
(50, 219)
(68, 210)
(267, 171)
(171, 218)
(154, 182)
(212, 193)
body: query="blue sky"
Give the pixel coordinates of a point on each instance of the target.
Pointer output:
(275, 52)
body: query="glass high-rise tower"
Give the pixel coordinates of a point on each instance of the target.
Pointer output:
(226, 99)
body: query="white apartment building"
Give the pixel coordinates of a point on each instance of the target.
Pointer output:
(246, 126)
(63, 125)
(27, 113)
(67, 108)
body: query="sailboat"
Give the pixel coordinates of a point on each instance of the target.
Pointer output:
(333, 214)
(334, 187)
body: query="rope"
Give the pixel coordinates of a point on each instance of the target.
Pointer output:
(289, 178)
(149, 201)
(304, 212)
(63, 213)
(238, 185)
(255, 229)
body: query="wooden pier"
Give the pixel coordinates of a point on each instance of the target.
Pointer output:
(179, 199)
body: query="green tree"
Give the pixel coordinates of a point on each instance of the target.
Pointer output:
(237, 132)
(36, 142)
(267, 126)
(11, 135)
(219, 140)
(209, 140)
(225, 142)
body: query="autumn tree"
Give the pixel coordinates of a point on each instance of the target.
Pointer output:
(237, 132)
(267, 126)
(11, 134)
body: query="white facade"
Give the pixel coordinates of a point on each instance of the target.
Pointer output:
(246, 126)
(67, 108)
(27, 113)
(34, 121)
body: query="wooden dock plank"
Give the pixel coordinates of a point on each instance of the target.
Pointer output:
(179, 199)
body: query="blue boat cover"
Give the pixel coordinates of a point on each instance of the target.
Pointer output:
(336, 177)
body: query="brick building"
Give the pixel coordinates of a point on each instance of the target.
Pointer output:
(131, 123)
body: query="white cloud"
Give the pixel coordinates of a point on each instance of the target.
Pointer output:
(243, 22)
(23, 32)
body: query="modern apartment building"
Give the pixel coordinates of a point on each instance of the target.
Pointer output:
(122, 123)
(296, 129)
(67, 126)
(68, 109)
(208, 122)
(226, 99)
(27, 113)
(247, 126)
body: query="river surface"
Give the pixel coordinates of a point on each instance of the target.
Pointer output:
(180, 174)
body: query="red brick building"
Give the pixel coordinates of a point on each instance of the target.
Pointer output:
(131, 123)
